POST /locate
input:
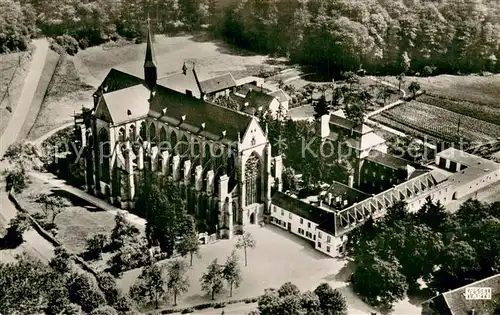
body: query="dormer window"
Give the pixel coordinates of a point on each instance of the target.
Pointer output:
(203, 126)
(183, 117)
(129, 112)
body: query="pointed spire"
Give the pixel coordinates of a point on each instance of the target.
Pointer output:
(150, 73)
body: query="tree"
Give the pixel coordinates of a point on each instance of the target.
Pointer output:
(16, 180)
(211, 281)
(310, 302)
(269, 303)
(25, 285)
(17, 226)
(104, 310)
(433, 215)
(51, 205)
(132, 254)
(401, 78)
(321, 107)
(122, 231)
(177, 281)
(83, 290)
(244, 242)
(109, 288)
(61, 260)
(331, 301)
(95, 245)
(414, 87)
(288, 288)
(379, 281)
(150, 286)
(232, 272)
(189, 245)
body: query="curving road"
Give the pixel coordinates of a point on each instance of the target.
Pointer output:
(21, 111)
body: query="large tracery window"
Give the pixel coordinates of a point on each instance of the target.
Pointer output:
(252, 179)
(163, 145)
(173, 141)
(121, 135)
(131, 133)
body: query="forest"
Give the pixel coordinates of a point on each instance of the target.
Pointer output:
(380, 36)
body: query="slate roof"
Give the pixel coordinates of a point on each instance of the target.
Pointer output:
(120, 103)
(347, 124)
(454, 302)
(387, 160)
(298, 207)
(117, 80)
(216, 118)
(217, 84)
(181, 82)
(258, 100)
(339, 189)
(280, 95)
(246, 88)
(323, 218)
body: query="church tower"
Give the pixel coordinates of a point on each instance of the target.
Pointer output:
(150, 73)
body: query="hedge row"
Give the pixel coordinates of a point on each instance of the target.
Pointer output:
(191, 309)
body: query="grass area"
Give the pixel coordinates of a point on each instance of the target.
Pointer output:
(66, 94)
(438, 122)
(76, 222)
(13, 69)
(46, 76)
(210, 56)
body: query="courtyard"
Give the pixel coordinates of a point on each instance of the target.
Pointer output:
(277, 258)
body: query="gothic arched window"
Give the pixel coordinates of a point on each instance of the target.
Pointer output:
(173, 141)
(121, 135)
(105, 151)
(131, 133)
(183, 145)
(163, 139)
(142, 131)
(219, 157)
(206, 155)
(252, 179)
(152, 133)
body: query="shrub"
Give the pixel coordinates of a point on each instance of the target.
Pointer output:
(105, 310)
(16, 179)
(203, 306)
(68, 43)
(188, 310)
(220, 305)
(84, 291)
(83, 43)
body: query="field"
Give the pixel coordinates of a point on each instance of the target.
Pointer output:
(437, 123)
(489, 113)
(13, 69)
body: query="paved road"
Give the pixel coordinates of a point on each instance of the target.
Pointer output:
(13, 129)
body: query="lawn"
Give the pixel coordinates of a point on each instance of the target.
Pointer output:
(13, 69)
(76, 222)
(66, 94)
(438, 122)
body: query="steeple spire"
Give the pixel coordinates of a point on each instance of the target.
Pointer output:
(150, 72)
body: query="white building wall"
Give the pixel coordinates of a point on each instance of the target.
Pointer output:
(308, 230)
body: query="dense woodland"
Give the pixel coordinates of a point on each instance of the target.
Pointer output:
(381, 36)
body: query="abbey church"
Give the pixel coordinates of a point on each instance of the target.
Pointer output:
(221, 158)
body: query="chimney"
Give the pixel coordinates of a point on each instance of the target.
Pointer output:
(324, 125)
